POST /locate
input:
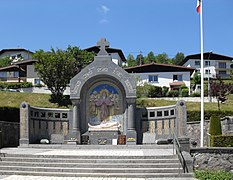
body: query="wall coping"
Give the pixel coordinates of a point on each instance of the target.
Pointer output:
(212, 150)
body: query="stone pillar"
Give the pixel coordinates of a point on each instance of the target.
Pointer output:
(76, 121)
(131, 135)
(24, 124)
(181, 119)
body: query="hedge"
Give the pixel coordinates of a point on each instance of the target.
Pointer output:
(215, 126)
(15, 85)
(210, 174)
(196, 115)
(9, 114)
(222, 141)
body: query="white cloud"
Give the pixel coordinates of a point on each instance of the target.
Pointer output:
(104, 9)
(103, 21)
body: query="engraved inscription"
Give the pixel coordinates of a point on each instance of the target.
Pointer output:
(75, 87)
(118, 73)
(129, 86)
(102, 69)
(87, 74)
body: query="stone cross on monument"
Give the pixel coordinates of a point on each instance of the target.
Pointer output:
(103, 43)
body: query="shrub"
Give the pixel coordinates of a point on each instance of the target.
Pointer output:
(164, 91)
(9, 114)
(148, 90)
(213, 175)
(173, 93)
(195, 95)
(196, 115)
(154, 91)
(184, 92)
(183, 87)
(222, 141)
(215, 126)
(15, 85)
(140, 92)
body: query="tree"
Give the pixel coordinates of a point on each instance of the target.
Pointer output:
(57, 67)
(139, 59)
(197, 78)
(131, 61)
(5, 61)
(149, 58)
(178, 58)
(220, 90)
(162, 58)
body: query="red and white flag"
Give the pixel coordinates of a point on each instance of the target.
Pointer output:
(198, 6)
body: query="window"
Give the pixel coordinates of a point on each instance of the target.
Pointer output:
(207, 71)
(207, 63)
(222, 72)
(152, 114)
(153, 78)
(222, 65)
(197, 63)
(178, 77)
(159, 113)
(36, 81)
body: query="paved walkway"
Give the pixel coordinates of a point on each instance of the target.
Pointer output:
(16, 177)
(91, 152)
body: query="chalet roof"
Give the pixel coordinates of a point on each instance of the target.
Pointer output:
(9, 68)
(96, 49)
(26, 62)
(155, 67)
(207, 56)
(16, 49)
(16, 66)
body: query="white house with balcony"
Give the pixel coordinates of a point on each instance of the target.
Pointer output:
(168, 75)
(24, 69)
(215, 65)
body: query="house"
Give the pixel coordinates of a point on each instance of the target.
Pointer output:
(24, 70)
(171, 76)
(13, 72)
(215, 65)
(116, 54)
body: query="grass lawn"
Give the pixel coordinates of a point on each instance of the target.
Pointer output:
(191, 106)
(14, 99)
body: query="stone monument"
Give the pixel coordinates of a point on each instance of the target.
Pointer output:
(104, 99)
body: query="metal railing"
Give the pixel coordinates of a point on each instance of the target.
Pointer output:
(177, 147)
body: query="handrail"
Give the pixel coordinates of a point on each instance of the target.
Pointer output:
(176, 145)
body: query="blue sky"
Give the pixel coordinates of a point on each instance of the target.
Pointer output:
(169, 26)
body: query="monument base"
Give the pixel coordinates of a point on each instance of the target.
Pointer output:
(103, 137)
(131, 137)
(75, 136)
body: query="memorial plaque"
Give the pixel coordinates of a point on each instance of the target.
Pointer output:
(122, 139)
(85, 139)
(57, 139)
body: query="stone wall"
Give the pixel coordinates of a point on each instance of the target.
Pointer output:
(194, 130)
(213, 158)
(9, 134)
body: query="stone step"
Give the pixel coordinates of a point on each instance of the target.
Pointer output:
(96, 147)
(91, 164)
(77, 160)
(92, 170)
(101, 175)
(81, 156)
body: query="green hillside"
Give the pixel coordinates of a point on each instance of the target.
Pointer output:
(14, 99)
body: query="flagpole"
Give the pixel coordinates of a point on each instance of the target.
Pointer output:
(202, 76)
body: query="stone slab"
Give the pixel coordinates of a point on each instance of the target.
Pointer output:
(102, 137)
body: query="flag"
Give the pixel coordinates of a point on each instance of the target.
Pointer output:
(198, 6)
